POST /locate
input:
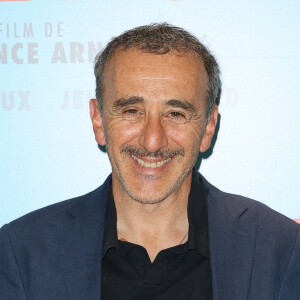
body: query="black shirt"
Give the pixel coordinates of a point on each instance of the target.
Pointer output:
(180, 272)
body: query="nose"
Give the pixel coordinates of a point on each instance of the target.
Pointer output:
(153, 136)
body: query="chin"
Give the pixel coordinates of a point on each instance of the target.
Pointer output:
(149, 195)
(147, 200)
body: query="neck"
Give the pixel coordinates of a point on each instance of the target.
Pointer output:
(153, 226)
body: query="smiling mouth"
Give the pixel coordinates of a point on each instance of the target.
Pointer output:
(148, 164)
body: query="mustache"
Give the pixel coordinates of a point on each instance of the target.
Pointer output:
(160, 153)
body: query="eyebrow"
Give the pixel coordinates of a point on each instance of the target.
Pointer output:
(182, 104)
(123, 102)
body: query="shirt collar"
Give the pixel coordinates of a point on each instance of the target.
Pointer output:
(110, 233)
(197, 216)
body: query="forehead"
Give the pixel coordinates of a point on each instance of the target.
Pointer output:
(133, 72)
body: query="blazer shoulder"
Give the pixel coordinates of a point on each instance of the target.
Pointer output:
(252, 211)
(56, 213)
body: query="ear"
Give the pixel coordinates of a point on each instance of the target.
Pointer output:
(97, 122)
(209, 130)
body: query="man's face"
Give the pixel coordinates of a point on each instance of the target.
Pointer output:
(153, 121)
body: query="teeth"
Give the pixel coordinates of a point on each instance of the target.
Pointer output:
(148, 164)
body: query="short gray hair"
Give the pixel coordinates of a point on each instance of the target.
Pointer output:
(160, 39)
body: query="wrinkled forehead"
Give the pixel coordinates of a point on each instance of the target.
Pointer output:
(133, 71)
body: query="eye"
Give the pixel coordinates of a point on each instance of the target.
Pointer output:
(131, 114)
(176, 114)
(131, 111)
(176, 117)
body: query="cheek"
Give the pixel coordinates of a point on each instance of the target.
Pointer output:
(185, 136)
(123, 132)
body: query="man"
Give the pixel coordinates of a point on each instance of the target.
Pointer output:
(156, 229)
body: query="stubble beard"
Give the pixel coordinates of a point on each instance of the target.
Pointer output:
(175, 184)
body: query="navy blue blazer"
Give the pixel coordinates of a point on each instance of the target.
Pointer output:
(55, 252)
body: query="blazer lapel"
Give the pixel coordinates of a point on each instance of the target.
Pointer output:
(80, 239)
(232, 245)
(231, 242)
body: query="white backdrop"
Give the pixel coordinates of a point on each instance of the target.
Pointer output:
(48, 152)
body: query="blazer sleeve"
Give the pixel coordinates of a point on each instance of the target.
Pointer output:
(11, 285)
(291, 281)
